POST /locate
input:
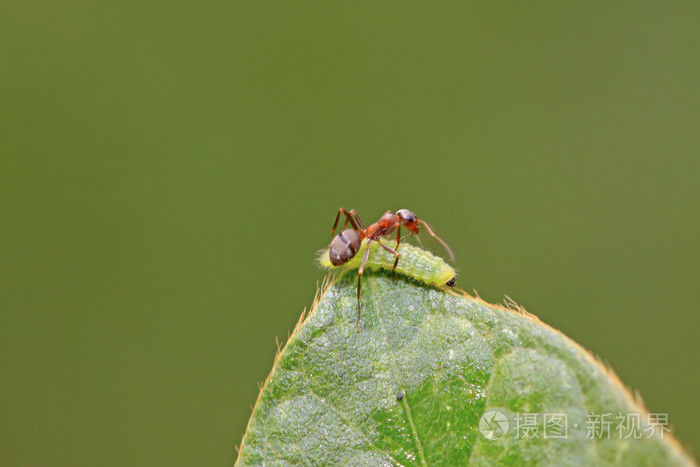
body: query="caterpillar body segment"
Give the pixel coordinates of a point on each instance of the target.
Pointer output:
(414, 262)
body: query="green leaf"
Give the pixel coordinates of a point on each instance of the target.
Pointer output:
(412, 386)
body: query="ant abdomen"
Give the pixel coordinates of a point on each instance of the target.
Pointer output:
(344, 247)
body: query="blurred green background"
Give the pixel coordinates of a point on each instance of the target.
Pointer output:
(169, 169)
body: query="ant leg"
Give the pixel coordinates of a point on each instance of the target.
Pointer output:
(359, 280)
(430, 231)
(389, 249)
(393, 252)
(348, 217)
(398, 241)
(356, 216)
(335, 224)
(357, 219)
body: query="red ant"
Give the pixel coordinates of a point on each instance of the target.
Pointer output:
(346, 244)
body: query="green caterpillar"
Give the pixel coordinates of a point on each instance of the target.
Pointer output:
(414, 262)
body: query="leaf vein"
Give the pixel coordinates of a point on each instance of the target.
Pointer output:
(380, 318)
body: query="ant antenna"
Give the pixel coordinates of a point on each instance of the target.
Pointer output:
(432, 234)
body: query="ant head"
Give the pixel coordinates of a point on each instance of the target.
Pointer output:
(408, 219)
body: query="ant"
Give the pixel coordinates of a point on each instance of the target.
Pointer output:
(346, 244)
